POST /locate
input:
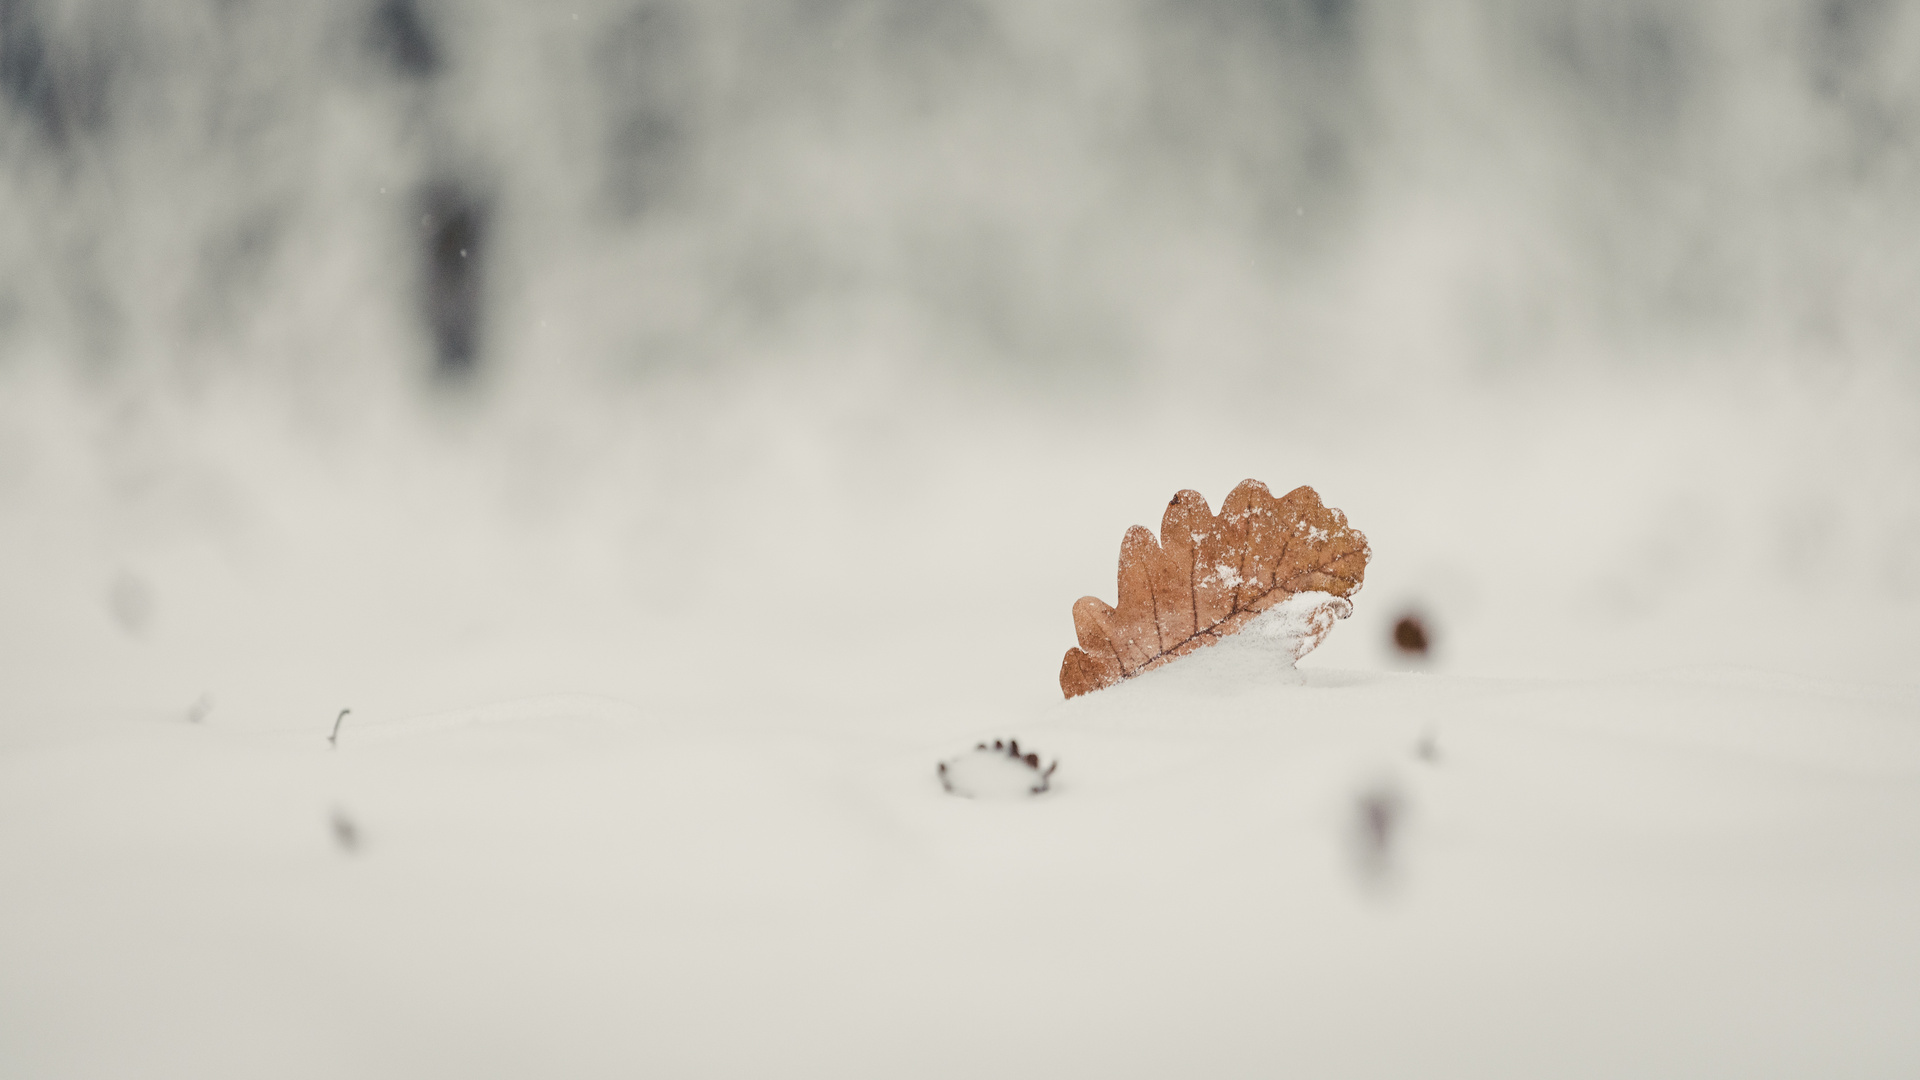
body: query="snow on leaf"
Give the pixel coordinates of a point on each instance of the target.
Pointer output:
(1213, 575)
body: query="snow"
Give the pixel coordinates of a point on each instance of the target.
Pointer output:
(1624, 877)
(644, 782)
(1298, 624)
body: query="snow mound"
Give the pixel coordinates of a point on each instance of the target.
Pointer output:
(1264, 653)
(999, 771)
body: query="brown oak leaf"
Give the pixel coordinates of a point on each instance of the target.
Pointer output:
(1210, 575)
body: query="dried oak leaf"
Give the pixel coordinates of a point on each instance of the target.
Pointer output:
(1209, 576)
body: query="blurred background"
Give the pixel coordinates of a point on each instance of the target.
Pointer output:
(814, 355)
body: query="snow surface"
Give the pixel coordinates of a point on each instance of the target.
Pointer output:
(1686, 876)
(640, 773)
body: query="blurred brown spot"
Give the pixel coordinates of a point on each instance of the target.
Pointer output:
(1428, 748)
(345, 832)
(1410, 635)
(1379, 814)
